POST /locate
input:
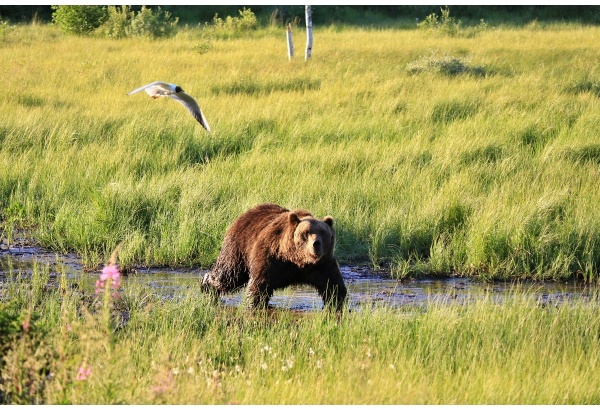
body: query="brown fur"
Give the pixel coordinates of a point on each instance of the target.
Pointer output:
(269, 248)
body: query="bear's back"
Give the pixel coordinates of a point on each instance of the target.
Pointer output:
(257, 217)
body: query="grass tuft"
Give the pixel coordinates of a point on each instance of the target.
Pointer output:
(254, 88)
(446, 65)
(586, 154)
(448, 111)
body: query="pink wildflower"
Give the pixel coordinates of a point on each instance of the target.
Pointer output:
(83, 373)
(109, 272)
(99, 286)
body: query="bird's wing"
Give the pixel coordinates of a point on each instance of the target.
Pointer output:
(157, 84)
(192, 106)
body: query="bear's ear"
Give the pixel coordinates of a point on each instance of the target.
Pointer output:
(293, 218)
(328, 220)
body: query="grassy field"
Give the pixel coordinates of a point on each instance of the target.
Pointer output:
(488, 166)
(67, 346)
(476, 154)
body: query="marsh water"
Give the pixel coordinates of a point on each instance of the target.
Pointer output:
(366, 287)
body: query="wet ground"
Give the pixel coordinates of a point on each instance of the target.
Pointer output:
(365, 287)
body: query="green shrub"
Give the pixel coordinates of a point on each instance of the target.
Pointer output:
(123, 22)
(153, 24)
(444, 24)
(245, 22)
(79, 20)
(226, 28)
(117, 23)
(447, 25)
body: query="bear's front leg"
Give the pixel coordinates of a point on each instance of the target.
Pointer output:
(258, 293)
(331, 287)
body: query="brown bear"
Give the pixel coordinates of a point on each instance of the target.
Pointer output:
(269, 248)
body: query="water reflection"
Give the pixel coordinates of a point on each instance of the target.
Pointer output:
(365, 287)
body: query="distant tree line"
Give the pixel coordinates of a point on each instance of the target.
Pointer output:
(517, 14)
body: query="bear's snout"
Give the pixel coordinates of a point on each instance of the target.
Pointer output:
(317, 248)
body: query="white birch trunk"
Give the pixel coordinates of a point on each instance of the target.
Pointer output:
(309, 38)
(290, 42)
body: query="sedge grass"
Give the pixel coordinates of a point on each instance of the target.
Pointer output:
(494, 175)
(144, 348)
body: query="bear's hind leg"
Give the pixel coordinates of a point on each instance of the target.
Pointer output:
(210, 286)
(220, 281)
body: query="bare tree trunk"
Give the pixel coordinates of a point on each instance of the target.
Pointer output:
(309, 38)
(290, 42)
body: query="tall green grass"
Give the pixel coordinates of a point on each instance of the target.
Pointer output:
(70, 347)
(493, 175)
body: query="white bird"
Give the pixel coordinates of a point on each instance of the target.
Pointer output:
(160, 89)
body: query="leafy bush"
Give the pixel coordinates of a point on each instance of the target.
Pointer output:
(447, 25)
(246, 22)
(117, 23)
(232, 25)
(445, 64)
(148, 23)
(123, 22)
(226, 28)
(78, 20)
(444, 24)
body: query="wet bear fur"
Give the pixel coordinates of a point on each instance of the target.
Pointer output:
(270, 248)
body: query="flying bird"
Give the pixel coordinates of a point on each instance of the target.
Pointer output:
(160, 89)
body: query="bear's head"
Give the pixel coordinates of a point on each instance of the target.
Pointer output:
(313, 238)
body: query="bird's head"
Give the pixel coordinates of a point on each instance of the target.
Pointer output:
(178, 89)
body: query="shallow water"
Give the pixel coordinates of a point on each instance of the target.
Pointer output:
(365, 287)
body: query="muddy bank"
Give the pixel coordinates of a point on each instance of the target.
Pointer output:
(365, 286)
